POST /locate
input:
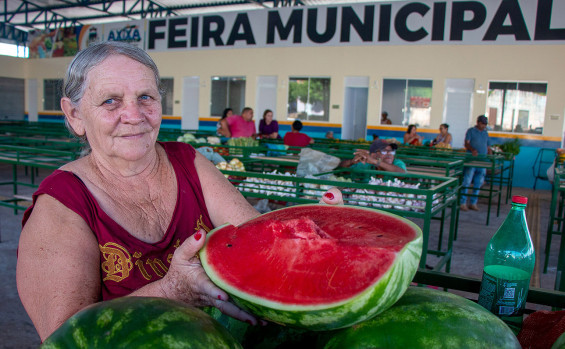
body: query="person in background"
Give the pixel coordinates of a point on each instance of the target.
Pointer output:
(476, 143)
(128, 218)
(269, 128)
(330, 135)
(444, 137)
(221, 130)
(384, 119)
(295, 138)
(235, 126)
(411, 137)
(380, 156)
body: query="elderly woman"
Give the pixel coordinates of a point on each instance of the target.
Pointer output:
(129, 217)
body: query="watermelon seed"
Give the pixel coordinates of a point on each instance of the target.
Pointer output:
(380, 235)
(229, 245)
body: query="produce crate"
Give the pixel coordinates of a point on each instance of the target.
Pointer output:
(69, 144)
(541, 296)
(33, 158)
(424, 197)
(556, 224)
(429, 165)
(39, 130)
(270, 164)
(494, 164)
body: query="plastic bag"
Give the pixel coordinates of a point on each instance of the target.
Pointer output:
(211, 155)
(262, 206)
(313, 162)
(551, 172)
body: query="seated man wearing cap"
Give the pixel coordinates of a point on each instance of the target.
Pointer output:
(380, 156)
(476, 143)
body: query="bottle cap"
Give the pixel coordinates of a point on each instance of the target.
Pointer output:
(520, 199)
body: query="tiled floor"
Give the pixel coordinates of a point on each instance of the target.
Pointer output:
(472, 238)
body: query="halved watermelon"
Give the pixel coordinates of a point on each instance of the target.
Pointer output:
(317, 267)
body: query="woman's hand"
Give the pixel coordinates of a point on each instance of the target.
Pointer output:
(332, 197)
(186, 281)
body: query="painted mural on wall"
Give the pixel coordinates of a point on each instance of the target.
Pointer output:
(60, 42)
(63, 42)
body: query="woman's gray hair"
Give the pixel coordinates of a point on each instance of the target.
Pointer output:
(75, 78)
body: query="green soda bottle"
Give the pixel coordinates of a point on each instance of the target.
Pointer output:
(509, 263)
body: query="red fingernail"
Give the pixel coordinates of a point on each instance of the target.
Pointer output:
(329, 196)
(198, 235)
(219, 297)
(249, 322)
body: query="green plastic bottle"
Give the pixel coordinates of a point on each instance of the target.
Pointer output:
(509, 263)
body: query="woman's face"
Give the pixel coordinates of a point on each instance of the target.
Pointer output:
(120, 111)
(229, 113)
(269, 117)
(413, 131)
(442, 129)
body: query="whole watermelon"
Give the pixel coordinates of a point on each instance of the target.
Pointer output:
(427, 318)
(141, 322)
(316, 267)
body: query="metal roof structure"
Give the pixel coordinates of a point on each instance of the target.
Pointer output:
(18, 17)
(50, 14)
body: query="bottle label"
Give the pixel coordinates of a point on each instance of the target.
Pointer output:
(503, 297)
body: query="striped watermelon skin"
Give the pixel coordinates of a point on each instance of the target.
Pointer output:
(141, 322)
(373, 299)
(426, 318)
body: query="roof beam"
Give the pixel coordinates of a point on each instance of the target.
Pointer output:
(11, 33)
(139, 9)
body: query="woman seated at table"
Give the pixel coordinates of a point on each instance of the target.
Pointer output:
(443, 139)
(128, 218)
(411, 137)
(269, 128)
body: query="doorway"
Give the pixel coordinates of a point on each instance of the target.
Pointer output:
(458, 108)
(354, 124)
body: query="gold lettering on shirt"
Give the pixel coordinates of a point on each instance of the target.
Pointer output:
(155, 264)
(140, 266)
(116, 263)
(200, 224)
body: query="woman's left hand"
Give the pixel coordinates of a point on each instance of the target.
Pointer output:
(332, 197)
(187, 281)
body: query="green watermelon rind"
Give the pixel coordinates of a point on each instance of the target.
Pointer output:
(376, 298)
(141, 322)
(426, 318)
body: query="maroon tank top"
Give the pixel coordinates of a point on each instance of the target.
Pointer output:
(127, 263)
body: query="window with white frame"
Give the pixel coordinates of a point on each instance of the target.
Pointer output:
(227, 92)
(407, 101)
(514, 106)
(52, 94)
(309, 98)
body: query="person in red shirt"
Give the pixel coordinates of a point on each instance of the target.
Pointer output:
(295, 138)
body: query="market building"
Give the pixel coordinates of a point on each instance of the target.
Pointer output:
(338, 67)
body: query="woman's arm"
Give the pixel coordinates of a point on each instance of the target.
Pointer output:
(224, 128)
(58, 268)
(448, 138)
(224, 202)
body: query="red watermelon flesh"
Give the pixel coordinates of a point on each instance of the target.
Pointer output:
(309, 255)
